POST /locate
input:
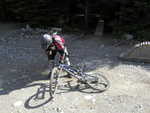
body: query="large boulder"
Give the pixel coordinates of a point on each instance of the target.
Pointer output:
(140, 52)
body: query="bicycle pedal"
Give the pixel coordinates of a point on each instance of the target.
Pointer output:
(68, 76)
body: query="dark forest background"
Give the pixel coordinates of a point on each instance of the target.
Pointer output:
(120, 16)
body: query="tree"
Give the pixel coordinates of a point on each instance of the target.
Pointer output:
(3, 10)
(134, 19)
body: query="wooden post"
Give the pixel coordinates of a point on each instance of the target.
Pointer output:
(99, 28)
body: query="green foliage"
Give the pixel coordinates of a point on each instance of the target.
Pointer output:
(130, 16)
(134, 19)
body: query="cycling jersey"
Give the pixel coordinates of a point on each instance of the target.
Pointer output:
(53, 44)
(58, 42)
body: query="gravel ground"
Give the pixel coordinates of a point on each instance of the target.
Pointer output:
(24, 83)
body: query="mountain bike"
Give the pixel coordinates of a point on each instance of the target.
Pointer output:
(99, 82)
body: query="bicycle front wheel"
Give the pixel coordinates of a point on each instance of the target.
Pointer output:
(53, 81)
(97, 82)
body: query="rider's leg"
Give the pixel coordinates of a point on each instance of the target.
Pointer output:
(63, 60)
(51, 57)
(64, 56)
(67, 56)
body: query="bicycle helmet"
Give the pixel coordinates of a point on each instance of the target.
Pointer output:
(46, 41)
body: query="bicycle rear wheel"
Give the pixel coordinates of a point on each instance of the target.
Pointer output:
(97, 82)
(53, 81)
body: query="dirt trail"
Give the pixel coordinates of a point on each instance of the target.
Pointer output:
(23, 79)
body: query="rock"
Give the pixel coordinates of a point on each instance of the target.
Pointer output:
(128, 36)
(59, 110)
(13, 70)
(102, 46)
(18, 104)
(93, 100)
(106, 55)
(88, 97)
(28, 28)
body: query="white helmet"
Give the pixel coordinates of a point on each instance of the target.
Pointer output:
(47, 37)
(46, 41)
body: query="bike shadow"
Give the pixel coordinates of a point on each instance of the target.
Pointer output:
(75, 86)
(40, 98)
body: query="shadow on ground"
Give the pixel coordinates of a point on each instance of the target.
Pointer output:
(19, 69)
(40, 98)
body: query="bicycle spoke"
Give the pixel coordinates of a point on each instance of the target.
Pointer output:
(102, 84)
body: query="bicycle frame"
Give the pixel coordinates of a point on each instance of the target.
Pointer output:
(83, 78)
(71, 70)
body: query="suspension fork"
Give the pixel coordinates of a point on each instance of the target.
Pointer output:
(66, 56)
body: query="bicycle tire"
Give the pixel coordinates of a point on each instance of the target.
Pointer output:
(102, 83)
(53, 81)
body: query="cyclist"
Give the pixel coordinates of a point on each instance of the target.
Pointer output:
(53, 43)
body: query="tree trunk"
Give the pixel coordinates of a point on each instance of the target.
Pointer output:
(3, 10)
(86, 14)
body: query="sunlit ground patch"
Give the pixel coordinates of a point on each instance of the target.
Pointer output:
(45, 72)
